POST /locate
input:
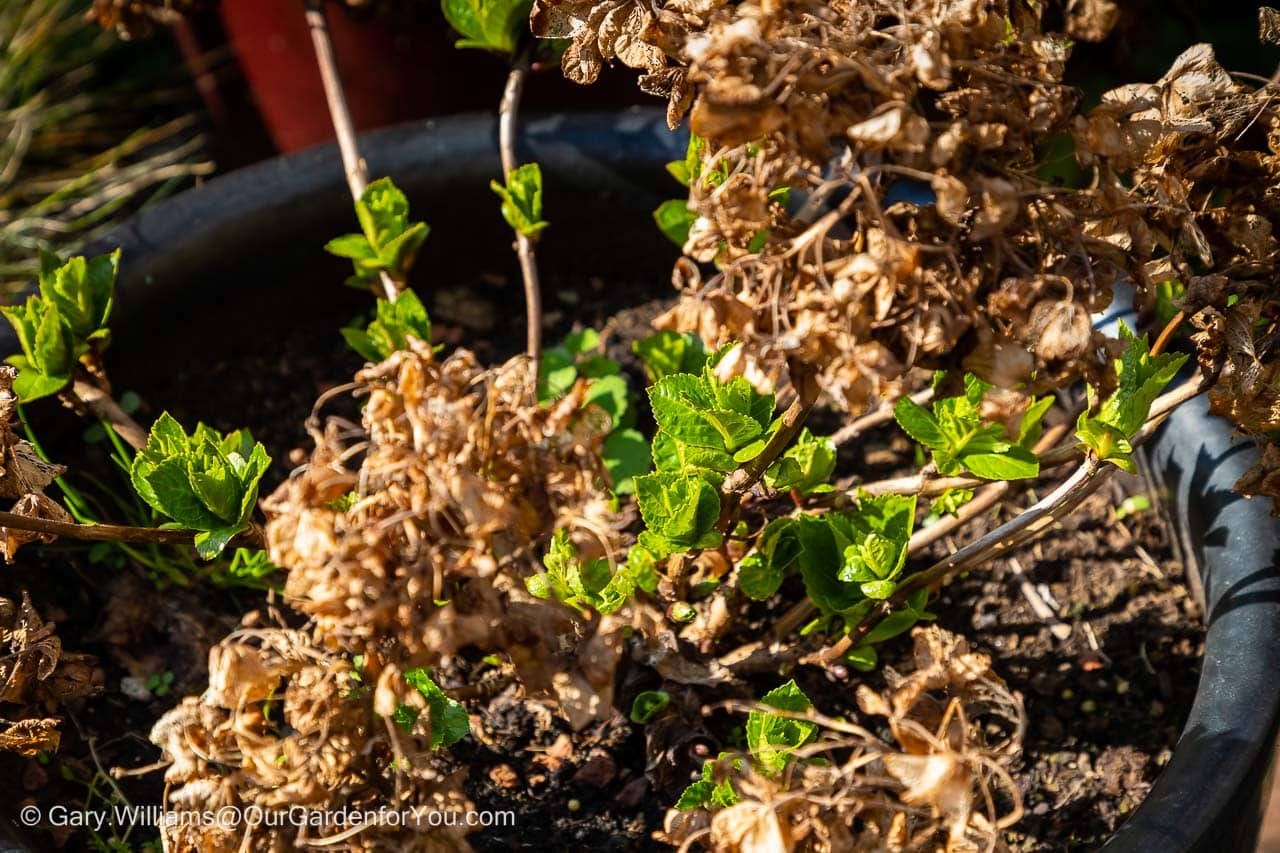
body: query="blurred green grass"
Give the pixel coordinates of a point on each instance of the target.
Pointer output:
(91, 128)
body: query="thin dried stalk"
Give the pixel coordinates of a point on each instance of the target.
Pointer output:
(357, 171)
(878, 418)
(114, 532)
(508, 127)
(108, 410)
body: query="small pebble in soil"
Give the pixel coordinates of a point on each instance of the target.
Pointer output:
(1088, 706)
(573, 805)
(135, 688)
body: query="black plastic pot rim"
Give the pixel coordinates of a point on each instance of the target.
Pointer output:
(1210, 795)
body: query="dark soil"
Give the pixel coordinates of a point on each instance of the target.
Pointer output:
(1105, 703)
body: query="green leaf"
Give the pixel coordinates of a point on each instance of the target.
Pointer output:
(703, 423)
(1169, 294)
(352, 246)
(1133, 505)
(773, 738)
(1032, 425)
(1141, 379)
(696, 796)
(210, 543)
(494, 25)
(405, 716)
(670, 352)
(522, 200)
(217, 487)
(389, 332)
(389, 240)
(723, 796)
(611, 394)
(762, 571)
(674, 219)
(820, 560)
(878, 590)
(899, 622)
(805, 466)
(556, 374)
(681, 508)
(959, 437)
(950, 502)
(24, 320)
(30, 385)
(582, 342)
(398, 254)
(706, 792)
(679, 404)
(862, 657)
(450, 722)
(848, 558)
(917, 422)
(1109, 443)
(578, 584)
(648, 705)
(539, 586)
(169, 492)
(383, 211)
(81, 290)
(52, 352)
(738, 395)
(626, 456)
(1013, 463)
(205, 482)
(874, 558)
(363, 343)
(686, 170)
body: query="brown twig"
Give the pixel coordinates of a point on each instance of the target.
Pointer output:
(737, 484)
(1167, 333)
(870, 421)
(114, 532)
(508, 128)
(101, 405)
(357, 172)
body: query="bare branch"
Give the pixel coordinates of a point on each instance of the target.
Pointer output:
(870, 421)
(737, 484)
(353, 164)
(114, 532)
(508, 127)
(106, 409)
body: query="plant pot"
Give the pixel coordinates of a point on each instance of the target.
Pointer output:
(390, 73)
(271, 219)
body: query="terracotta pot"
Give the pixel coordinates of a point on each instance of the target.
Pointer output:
(391, 74)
